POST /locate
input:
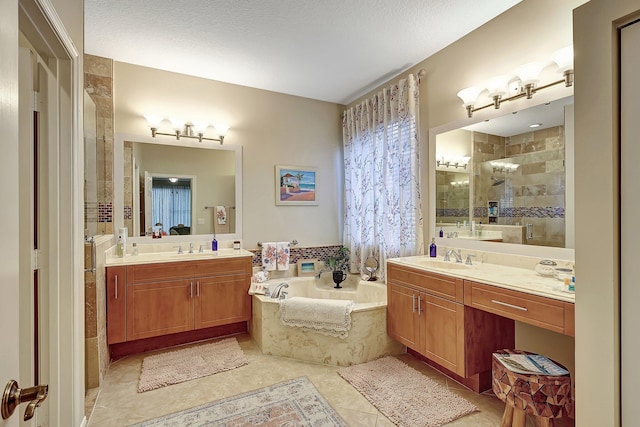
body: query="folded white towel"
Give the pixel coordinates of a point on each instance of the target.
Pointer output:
(260, 276)
(284, 248)
(221, 215)
(269, 253)
(325, 316)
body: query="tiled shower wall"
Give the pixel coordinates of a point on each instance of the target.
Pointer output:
(98, 82)
(534, 193)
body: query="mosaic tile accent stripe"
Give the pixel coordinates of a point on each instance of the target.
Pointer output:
(296, 254)
(128, 212)
(105, 212)
(524, 212)
(453, 212)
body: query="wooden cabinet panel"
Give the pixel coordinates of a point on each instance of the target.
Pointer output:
(223, 266)
(436, 284)
(160, 272)
(116, 304)
(222, 300)
(155, 309)
(538, 311)
(441, 332)
(402, 315)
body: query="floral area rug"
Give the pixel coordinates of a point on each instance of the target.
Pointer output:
(290, 403)
(189, 363)
(404, 395)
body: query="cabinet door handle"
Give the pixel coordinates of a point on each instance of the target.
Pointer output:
(419, 308)
(191, 289)
(509, 305)
(198, 288)
(116, 277)
(413, 303)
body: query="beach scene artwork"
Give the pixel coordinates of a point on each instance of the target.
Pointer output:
(296, 185)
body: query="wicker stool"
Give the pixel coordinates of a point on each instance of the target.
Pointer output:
(545, 397)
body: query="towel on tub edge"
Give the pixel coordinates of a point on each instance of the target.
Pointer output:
(325, 316)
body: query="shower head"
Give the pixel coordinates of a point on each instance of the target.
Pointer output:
(496, 181)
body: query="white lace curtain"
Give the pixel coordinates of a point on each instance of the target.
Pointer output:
(383, 212)
(171, 205)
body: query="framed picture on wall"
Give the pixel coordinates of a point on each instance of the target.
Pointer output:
(296, 185)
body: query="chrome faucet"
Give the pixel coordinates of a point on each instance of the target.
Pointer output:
(179, 250)
(276, 294)
(201, 250)
(190, 248)
(457, 255)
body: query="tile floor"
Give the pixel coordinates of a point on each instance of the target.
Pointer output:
(118, 404)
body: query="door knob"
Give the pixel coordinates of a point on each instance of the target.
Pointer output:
(14, 395)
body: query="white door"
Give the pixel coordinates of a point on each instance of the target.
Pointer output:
(9, 271)
(630, 211)
(53, 213)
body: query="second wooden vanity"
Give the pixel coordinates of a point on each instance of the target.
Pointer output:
(456, 324)
(186, 300)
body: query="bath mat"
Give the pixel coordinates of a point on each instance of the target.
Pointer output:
(294, 402)
(177, 366)
(404, 395)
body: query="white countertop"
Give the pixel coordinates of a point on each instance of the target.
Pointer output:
(158, 257)
(514, 278)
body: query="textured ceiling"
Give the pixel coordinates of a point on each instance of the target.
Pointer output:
(331, 50)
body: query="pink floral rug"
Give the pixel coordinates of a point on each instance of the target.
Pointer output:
(291, 403)
(405, 396)
(173, 367)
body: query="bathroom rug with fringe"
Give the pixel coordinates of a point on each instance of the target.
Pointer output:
(295, 402)
(325, 316)
(176, 366)
(404, 395)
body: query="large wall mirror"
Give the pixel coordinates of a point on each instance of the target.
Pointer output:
(187, 188)
(507, 179)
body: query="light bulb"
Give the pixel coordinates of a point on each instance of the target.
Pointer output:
(469, 95)
(222, 129)
(564, 58)
(153, 121)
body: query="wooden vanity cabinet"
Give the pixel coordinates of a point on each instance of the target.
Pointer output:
(174, 297)
(116, 305)
(426, 312)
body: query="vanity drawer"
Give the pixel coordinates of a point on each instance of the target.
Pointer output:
(532, 309)
(450, 288)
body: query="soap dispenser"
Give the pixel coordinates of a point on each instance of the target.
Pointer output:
(433, 251)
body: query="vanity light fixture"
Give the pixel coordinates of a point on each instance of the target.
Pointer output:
(186, 129)
(504, 167)
(523, 84)
(453, 162)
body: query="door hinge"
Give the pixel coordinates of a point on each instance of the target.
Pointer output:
(35, 261)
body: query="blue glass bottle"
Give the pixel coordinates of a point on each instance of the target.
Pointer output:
(433, 251)
(214, 245)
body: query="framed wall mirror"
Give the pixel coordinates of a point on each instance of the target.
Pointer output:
(188, 188)
(506, 179)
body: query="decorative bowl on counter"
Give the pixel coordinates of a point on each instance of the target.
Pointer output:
(546, 268)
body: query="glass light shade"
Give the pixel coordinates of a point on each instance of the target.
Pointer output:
(200, 126)
(177, 124)
(497, 85)
(530, 73)
(564, 58)
(469, 95)
(153, 121)
(465, 160)
(222, 129)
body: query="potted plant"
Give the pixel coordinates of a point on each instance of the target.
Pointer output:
(339, 265)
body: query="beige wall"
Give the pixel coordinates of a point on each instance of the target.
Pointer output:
(596, 115)
(272, 128)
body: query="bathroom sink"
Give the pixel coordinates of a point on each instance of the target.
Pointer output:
(444, 265)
